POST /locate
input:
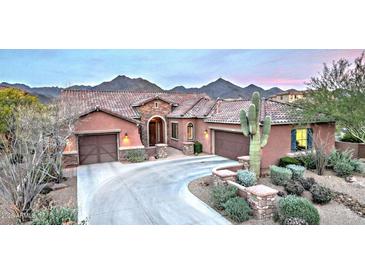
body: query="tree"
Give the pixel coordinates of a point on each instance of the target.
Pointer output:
(339, 93)
(32, 154)
(250, 125)
(11, 98)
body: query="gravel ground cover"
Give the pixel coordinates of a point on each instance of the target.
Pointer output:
(333, 213)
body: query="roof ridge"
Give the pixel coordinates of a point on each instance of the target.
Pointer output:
(190, 108)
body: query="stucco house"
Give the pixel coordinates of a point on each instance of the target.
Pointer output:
(112, 123)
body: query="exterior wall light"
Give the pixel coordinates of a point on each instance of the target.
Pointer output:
(206, 133)
(126, 135)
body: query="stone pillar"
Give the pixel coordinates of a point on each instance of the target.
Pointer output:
(161, 150)
(262, 201)
(188, 148)
(245, 160)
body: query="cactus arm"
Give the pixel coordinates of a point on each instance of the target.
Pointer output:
(252, 119)
(266, 131)
(244, 123)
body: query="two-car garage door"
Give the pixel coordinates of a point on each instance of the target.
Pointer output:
(230, 144)
(97, 148)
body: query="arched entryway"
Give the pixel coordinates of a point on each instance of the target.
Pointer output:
(156, 131)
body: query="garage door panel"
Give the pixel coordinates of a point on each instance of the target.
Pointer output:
(231, 144)
(98, 148)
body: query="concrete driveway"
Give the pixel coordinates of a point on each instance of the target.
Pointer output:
(152, 192)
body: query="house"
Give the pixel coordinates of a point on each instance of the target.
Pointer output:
(112, 123)
(288, 96)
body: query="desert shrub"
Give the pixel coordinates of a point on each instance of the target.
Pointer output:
(246, 178)
(54, 216)
(198, 147)
(297, 207)
(348, 137)
(280, 175)
(343, 169)
(320, 194)
(361, 168)
(308, 160)
(237, 209)
(284, 161)
(294, 187)
(135, 156)
(294, 221)
(298, 171)
(307, 183)
(337, 156)
(221, 194)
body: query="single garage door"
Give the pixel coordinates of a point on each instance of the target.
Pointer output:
(97, 148)
(231, 144)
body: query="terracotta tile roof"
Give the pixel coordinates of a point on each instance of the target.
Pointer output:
(123, 102)
(228, 111)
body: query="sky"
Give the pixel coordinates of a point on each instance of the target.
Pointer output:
(167, 68)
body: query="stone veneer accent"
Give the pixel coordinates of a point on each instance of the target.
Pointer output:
(188, 148)
(245, 160)
(161, 151)
(149, 110)
(261, 198)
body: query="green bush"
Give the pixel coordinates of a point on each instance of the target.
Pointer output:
(320, 194)
(348, 137)
(343, 169)
(295, 188)
(340, 157)
(284, 161)
(294, 221)
(237, 209)
(135, 156)
(280, 175)
(54, 216)
(198, 147)
(337, 156)
(308, 160)
(221, 194)
(307, 183)
(298, 171)
(297, 207)
(246, 178)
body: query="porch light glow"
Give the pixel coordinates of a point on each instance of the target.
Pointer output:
(206, 133)
(126, 135)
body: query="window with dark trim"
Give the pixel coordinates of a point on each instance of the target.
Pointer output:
(175, 130)
(190, 131)
(301, 139)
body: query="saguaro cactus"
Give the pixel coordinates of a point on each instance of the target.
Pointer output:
(250, 125)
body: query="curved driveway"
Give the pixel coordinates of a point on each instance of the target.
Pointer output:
(152, 192)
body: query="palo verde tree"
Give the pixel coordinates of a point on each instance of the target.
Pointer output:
(338, 93)
(250, 125)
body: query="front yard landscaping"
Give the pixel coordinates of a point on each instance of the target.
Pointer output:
(346, 207)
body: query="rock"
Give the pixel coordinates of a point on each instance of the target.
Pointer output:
(152, 158)
(350, 179)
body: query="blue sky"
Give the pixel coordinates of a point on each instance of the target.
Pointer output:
(167, 68)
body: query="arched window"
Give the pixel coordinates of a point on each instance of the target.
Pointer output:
(190, 131)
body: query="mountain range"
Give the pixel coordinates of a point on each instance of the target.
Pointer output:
(220, 88)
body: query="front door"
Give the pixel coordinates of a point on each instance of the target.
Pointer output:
(152, 131)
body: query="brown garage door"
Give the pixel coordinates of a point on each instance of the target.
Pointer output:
(231, 144)
(97, 148)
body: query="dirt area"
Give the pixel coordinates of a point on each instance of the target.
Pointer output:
(66, 197)
(332, 213)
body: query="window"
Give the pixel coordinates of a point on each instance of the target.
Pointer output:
(190, 132)
(156, 104)
(301, 139)
(174, 130)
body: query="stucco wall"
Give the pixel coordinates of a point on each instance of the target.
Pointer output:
(183, 132)
(100, 122)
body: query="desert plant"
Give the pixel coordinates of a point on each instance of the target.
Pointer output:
(307, 159)
(280, 175)
(221, 194)
(54, 216)
(298, 171)
(284, 161)
(297, 207)
(250, 125)
(198, 147)
(343, 169)
(237, 209)
(307, 183)
(320, 194)
(294, 221)
(246, 178)
(294, 187)
(348, 137)
(337, 156)
(135, 156)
